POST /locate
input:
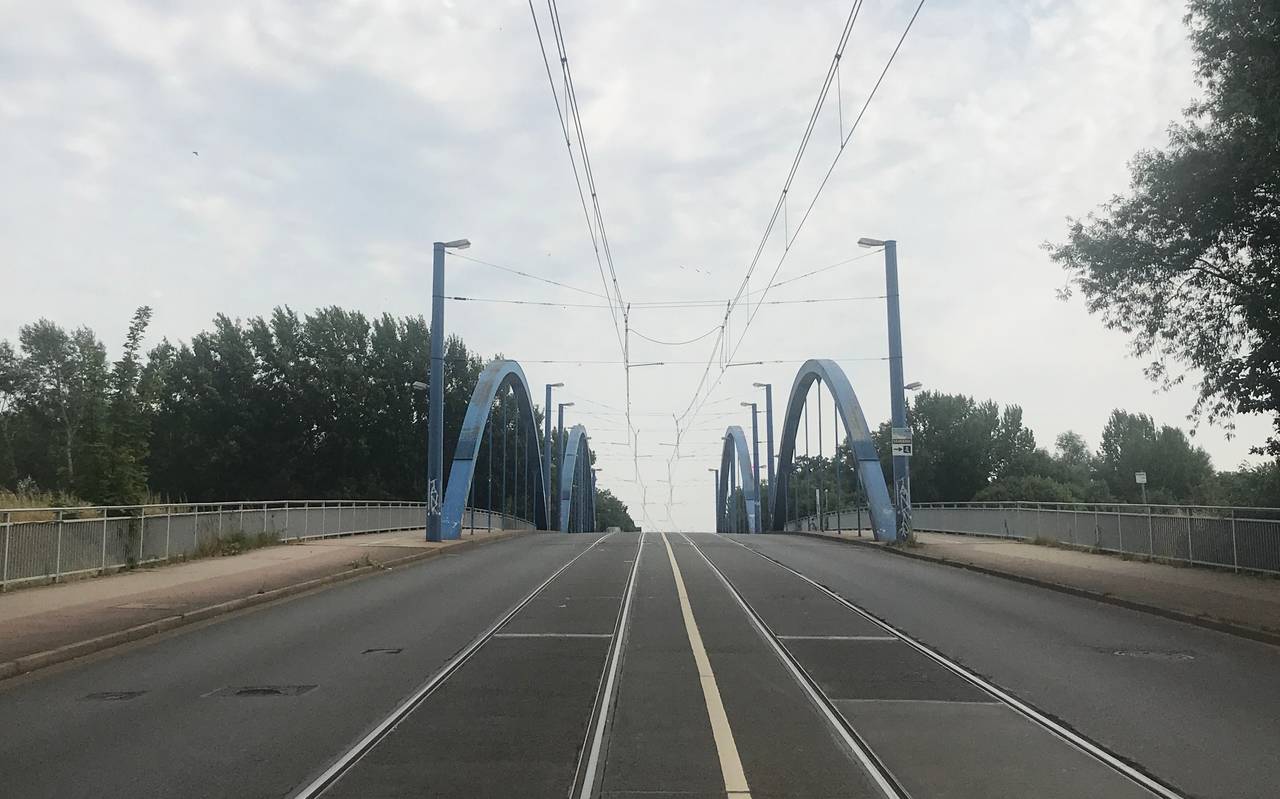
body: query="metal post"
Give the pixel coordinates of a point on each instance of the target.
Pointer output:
(817, 506)
(489, 520)
(168, 526)
(142, 531)
(560, 453)
(1151, 537)
(57, 563)
(897, 391)
(755, 460)
(768, 428)
(435, 403)
(503, 498)
(1189, 558)
(1235, 552)
(103, 567)
(835, 458)
(547, 455)
(8, 525)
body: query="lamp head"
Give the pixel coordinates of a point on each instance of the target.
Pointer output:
(457, 244)
(869, 242)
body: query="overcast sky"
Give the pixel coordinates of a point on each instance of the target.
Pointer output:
(336, 141)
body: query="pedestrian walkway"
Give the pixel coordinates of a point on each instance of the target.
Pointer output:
(44, 618)
(1248, 601)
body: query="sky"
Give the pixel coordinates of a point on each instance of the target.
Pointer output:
(231, 157)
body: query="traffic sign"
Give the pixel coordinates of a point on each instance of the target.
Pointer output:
(1140, 478)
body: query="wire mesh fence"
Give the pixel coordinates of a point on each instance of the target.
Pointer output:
(1244, 539)
(41, 544)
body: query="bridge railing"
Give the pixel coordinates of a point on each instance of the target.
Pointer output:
(1239, 538)
(43, 544)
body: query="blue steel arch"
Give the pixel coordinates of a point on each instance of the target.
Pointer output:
(735, 446)
(859, 435)
(575, 470)
(497, 376)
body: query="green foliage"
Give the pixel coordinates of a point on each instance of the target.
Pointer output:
(612, 512)
(1188, 263)
(288, 406)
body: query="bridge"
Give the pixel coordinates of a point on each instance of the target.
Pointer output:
(748, 660)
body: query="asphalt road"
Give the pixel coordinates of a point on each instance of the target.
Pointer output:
(631, 666)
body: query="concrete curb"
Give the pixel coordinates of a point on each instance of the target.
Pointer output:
(50, 657)
(1232, 628)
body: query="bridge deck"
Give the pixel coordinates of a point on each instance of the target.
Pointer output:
(585, 665)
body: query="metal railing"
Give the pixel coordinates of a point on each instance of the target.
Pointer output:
(43, 544)
(1243, 539)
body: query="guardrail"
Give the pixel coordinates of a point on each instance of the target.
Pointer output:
(1243, 539)
(47, 544)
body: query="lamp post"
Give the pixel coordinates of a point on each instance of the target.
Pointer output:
(768, 434)
(899, 434)
(435, 385)
(546, 449)
(560, 449)
(755, 454)
(716, 491)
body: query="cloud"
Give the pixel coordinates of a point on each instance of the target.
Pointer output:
(338, 140)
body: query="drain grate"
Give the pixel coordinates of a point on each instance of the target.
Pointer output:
(1154, 654)
(262, 690)
(112, 696)
(383, 651)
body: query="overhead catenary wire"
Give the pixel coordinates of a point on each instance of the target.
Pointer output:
(821, 186)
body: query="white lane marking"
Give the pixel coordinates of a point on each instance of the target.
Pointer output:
(553, 635)
(735, 779)
(837, 638)
(870, 764)
(349, 758)
(611, 680)
(1031, 713)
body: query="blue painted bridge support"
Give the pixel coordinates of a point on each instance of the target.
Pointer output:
(497, 377)
(883, 518)
(736, 455)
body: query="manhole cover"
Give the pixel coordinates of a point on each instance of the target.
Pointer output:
(1154, 654)
(382, 651)
(113, 696)
(262, 690)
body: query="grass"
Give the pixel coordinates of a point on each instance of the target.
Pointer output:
(234, 543)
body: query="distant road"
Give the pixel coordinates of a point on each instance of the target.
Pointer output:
(647, 666)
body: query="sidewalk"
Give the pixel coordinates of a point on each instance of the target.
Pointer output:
(48, 624)
(1239, 603)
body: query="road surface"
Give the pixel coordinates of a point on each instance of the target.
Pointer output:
(630, 666)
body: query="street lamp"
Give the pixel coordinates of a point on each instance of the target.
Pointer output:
(546, 449)
(755, 454)
(768, 427)
(416, 385)
(914, 386)
(899, 433)
(435, 382)
(716, 472)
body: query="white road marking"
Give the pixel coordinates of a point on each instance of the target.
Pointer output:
(735, 779)
(352, 755)
(878, 772)
(553, 635)
(1026, 710)
(837, 638)
(611, 678)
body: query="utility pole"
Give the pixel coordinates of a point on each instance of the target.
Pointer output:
(898, 394)
(560, 454)
(546, 451)
(755, 456)
(435, 402)
(768, 426)
(716, 492)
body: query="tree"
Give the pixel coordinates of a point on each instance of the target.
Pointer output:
(1188, 264)
(612, 512)
(1176, 470)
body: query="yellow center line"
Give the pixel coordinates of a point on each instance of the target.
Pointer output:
(735, 780)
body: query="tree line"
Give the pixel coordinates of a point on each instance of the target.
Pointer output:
(315, 406)
(969, 450)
